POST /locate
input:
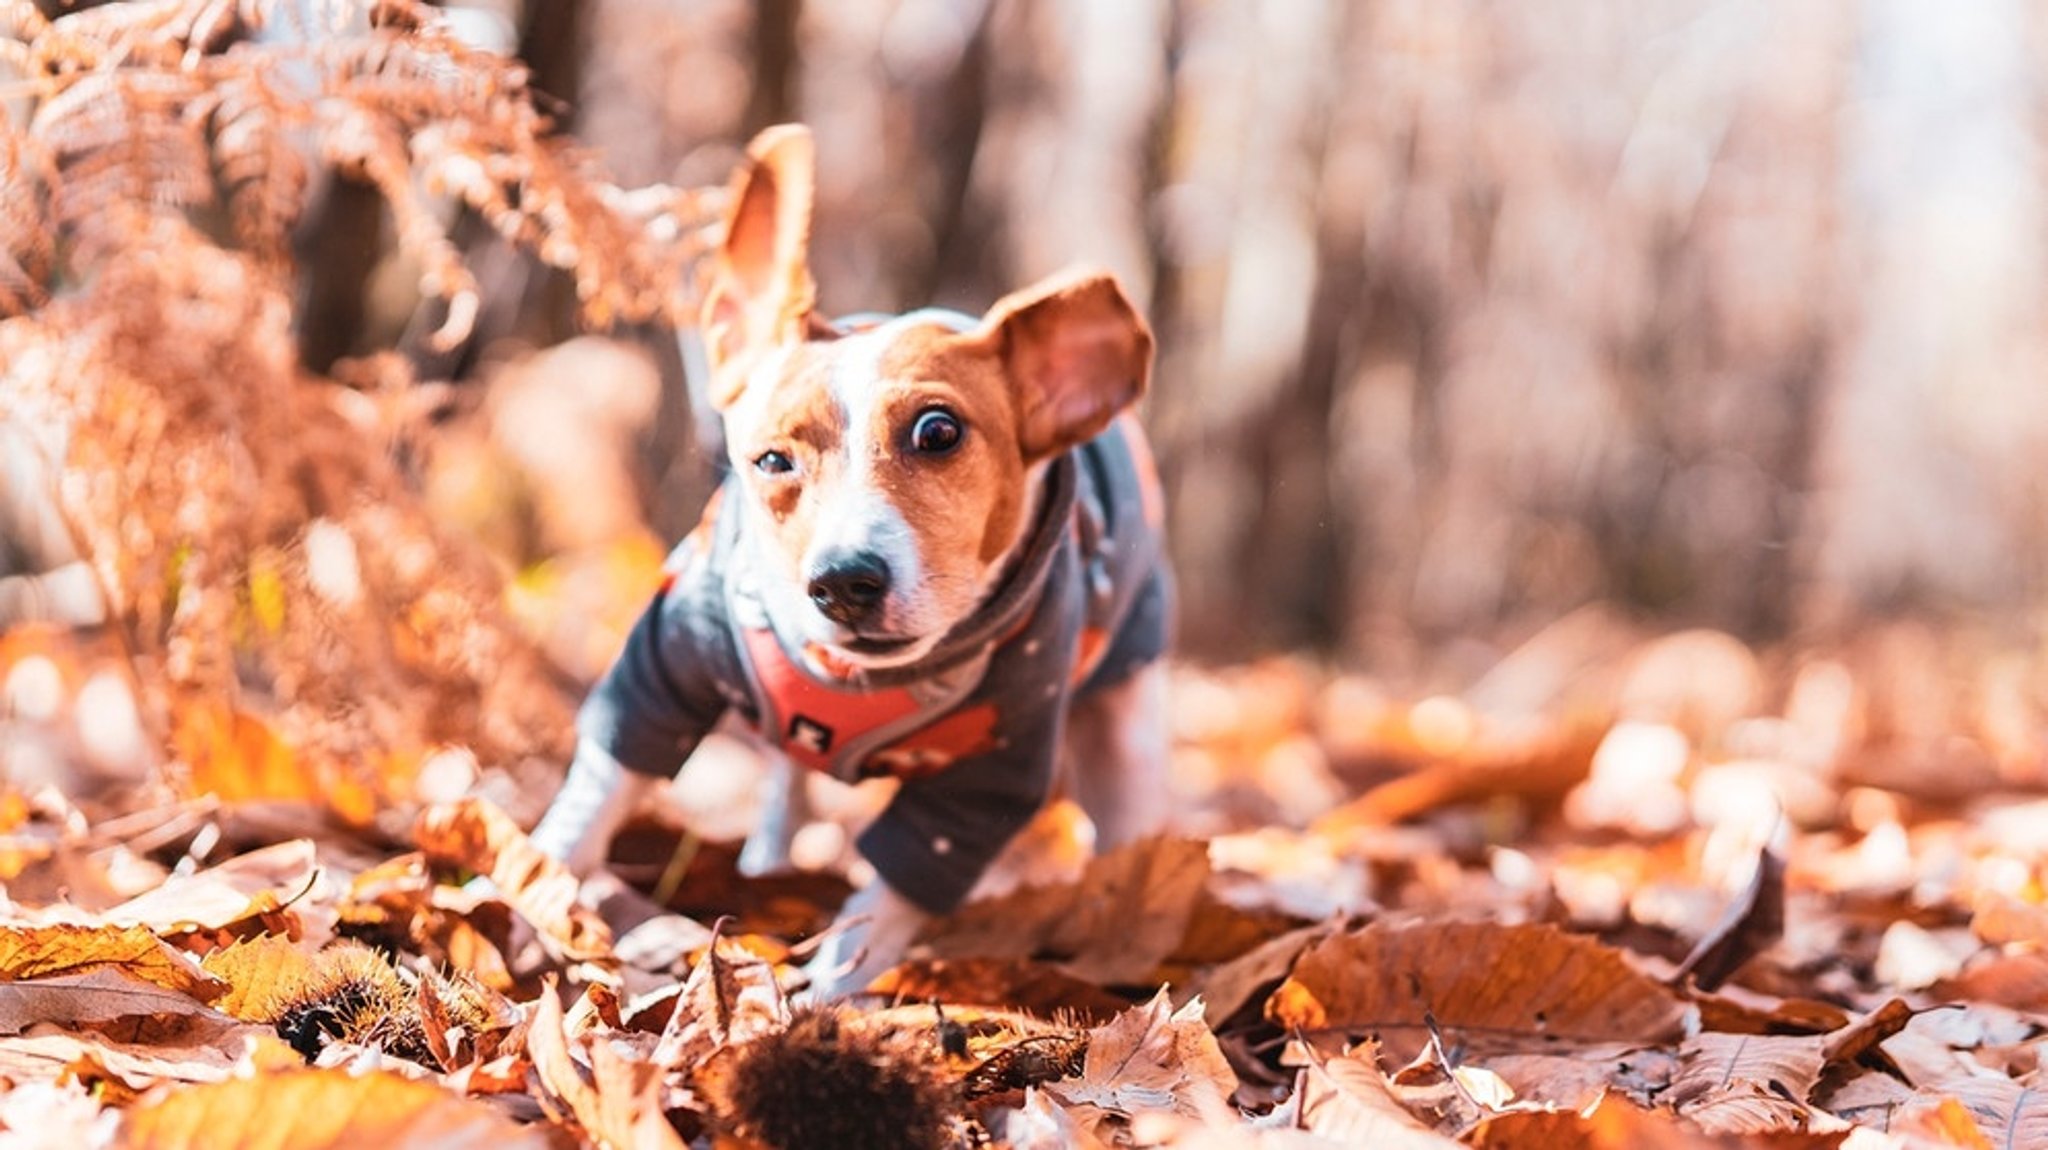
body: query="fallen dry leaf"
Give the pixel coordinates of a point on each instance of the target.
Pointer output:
(1347, 1099)
(316, 1109)
(731, 997)
(1944, 1122)
(1753, 921)
(1042, 1124)
(1482, 982)
(1746, 1083)
(1153, 1057)
(248, 886)
(1227, 987)
(1613, 1125)
(619, 1105)
(2004, 1113)
(48, 1057)
(475, 835)
(101, 995)
(47, 951)
(260, 972)
(1127, 914)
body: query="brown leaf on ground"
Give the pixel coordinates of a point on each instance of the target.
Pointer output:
(629, 1093)
(261, 973)
(1227, 987)
(1740, 1013)
(1029, 986)
(1348, 1099)
(2000, 919)
(1480, 981)
(1127, 914)
(474, 835)
(1042, 1124)
(1618, 1125)
(48, 1057)
(93, 997)
(1570, 1081)
(47, 951)
(1540, 764)
(247, 887)
(2003, 1112)
(619, 1104)
(1944, 1122)
(313, 1109)
(1858, 1038)
(1153, 1057)
(1753, 922)
(2016, 978)
(547, 1043)
(465, 1021)
(1746, 1083)
(730, 997)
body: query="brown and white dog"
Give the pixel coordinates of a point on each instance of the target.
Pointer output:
(936, 558)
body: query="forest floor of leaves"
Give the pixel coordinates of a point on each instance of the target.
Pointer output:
(1621, 890)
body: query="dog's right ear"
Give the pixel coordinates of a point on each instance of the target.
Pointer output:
(760, 291)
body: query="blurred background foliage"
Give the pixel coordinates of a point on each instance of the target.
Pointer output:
(1471, 314)
(1493, 336)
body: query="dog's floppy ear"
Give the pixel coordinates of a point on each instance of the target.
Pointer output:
(1077, 353)
(760, 291)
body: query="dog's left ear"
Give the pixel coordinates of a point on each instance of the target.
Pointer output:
(760, 292)
(1077, 354)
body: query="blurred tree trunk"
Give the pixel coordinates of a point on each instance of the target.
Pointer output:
(1931, 487)
(1470, 313)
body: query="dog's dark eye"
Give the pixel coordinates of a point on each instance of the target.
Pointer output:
(773, 463)
(936, 432)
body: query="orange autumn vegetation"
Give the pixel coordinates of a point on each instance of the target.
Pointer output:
(1604, 886)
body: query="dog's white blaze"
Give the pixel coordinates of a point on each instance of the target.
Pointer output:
(859, 516)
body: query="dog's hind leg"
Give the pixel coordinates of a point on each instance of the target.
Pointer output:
(1117, 749)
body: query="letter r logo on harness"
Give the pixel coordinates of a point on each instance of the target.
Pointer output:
(810, 735)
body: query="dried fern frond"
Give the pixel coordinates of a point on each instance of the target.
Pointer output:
(284, 592)
(27, 239)
(171, 104)
(124, 142)
(261, 166)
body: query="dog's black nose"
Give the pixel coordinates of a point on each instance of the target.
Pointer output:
(848, 587)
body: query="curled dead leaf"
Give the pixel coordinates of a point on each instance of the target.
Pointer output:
(1348, 1099)
(730, 997)
(474, 835)
(619, 1105)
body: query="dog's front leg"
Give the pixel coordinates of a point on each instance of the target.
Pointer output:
(785, 807)
(595, 798)
(872, 931)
